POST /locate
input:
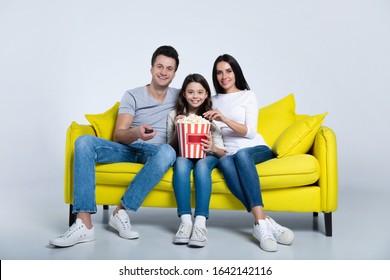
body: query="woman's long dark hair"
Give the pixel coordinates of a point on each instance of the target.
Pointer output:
(241, 83)
(182, 104)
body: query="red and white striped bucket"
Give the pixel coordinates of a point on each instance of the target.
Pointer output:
(190, 135)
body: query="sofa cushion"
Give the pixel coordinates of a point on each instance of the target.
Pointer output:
(287, 172)
(275, 118)
(298, 138)
(104, 123)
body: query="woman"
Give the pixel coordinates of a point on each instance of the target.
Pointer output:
(236, 115)
(194, 99)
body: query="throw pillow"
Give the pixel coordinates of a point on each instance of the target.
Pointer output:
(104, 123)
(275, 118)
(298, 138)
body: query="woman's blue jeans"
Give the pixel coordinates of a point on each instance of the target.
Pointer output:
(182, 184)
(241, 176)
(90, 150)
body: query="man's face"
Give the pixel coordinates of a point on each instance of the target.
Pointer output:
(163, 70)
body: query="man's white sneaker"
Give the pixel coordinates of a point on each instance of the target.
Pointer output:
(121, 222)
(77, 233)
(198, 237)
(183, 234)
(282, 234)
(263, 234)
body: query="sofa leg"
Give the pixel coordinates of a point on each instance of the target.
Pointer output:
(328, 223)
(72, 217)
(105, 207)
(315, 214)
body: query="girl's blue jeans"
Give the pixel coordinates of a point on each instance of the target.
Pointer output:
(241, 176)
(182, 184)
(90, 150)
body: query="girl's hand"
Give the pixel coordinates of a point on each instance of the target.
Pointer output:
(178, 117)
(207, 144)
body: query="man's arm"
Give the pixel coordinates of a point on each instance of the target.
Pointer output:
(125, 135)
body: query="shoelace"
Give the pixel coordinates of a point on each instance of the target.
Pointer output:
(200, 233)
(124, 222)
(276, 225)
(184, 229)
(265, 232)
(71, 230)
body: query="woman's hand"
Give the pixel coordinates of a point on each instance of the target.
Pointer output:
(240, 129)
(215, 115)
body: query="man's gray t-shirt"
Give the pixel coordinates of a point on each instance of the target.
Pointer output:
(146, 110)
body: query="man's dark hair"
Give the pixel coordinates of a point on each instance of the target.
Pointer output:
(166, 51)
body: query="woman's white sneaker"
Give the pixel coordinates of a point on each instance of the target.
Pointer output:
(121, 222)
(263, 234)
(282, 234)
(77, 233)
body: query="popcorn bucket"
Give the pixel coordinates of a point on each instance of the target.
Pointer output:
(190, 136)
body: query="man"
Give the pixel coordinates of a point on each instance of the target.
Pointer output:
(139, 136)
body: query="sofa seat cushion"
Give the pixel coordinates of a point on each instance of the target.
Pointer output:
(277, 173)
(120, 174)
(289, 171)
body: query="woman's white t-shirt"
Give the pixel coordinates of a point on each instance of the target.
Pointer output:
(242, 108)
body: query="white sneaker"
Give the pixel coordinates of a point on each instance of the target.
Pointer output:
(198, 237)
(77, 233)
(121, 222)
(183, 234)
(282, 234)
(263, 234)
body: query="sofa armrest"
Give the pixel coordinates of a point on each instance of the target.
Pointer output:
(325, 150)
(74, 131)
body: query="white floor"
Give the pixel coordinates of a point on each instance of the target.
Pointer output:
(360, 231)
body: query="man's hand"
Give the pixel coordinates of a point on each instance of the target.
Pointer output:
(146, 132)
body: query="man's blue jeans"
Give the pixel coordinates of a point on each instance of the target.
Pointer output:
(182, 185)
(241, 176)
(90, 150)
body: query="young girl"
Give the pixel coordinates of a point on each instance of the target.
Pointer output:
(237, 118)
(194, 99)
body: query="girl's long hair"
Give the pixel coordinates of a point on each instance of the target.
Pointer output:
(182, 104)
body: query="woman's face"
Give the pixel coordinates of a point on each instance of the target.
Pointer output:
(226, 77)
(195, 94)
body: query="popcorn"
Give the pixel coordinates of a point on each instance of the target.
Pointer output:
(195, 119)
(191, 130)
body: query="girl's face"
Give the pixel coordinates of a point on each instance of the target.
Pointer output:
(226, 77)
(195, 94)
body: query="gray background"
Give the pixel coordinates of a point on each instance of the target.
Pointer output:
(62, 59)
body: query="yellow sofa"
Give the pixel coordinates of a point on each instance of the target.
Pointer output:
(303, 177)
